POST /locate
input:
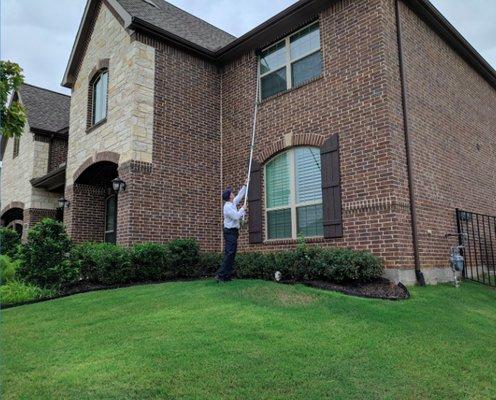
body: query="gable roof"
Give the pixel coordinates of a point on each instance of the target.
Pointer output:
(46, 110)
(178, 22)
(179, 28)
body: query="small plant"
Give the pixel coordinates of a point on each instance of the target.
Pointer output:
(18, 292)
(9, 242)
(151, 262)
(44, 257)
(8, 269)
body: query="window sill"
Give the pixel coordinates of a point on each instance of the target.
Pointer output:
(313, 239)
(274, 96)
(96, 126)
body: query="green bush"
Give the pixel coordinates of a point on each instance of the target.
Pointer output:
(9, 242)
(104, 263)
(345, 265)
(255, 266)
(184, 257)
(18, 292)
(8, 269)
(44, 257)
(151, 262)
(209, 264)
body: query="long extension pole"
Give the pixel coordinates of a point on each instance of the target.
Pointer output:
(254, 131)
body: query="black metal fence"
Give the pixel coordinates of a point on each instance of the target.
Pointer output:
(478, 236)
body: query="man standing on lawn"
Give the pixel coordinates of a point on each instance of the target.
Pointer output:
(232, 217)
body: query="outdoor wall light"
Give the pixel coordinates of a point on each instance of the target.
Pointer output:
(63, 202)
(118, 185)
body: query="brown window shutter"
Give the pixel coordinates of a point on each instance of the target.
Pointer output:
(255, 204)
(331, 188)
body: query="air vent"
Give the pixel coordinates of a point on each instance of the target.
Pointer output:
(151, 3)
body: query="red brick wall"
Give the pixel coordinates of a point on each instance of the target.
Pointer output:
(85, 216)
(174, 197)
(453, 118)
(57, 153)
(34, 215)
(352, 100)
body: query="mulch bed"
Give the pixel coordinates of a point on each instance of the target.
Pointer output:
(379, 289)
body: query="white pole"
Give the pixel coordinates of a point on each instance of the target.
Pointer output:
(254, 130)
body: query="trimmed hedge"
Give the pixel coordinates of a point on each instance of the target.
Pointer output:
(45, 256)
(104, 263)
(152, 262)
(9, 242)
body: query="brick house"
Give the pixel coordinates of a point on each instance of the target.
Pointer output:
(376, 121)
(33, 166)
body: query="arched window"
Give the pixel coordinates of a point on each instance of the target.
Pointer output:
(99, 99)
(293, 194)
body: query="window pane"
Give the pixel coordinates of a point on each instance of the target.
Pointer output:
(274, 83)
(305, 41)
(279, 224)
(310, 220)
(308, 175)
(104, 94)
(110, 213)
(278, 185)
(306, 68)
(100, 88)
(273, 58)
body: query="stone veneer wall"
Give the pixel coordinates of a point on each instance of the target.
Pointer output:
(129, 126)
(32, 162)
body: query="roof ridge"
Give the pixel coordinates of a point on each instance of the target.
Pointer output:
(198, 18)
(46, 90)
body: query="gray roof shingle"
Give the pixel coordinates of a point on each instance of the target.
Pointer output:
(45, 109)
(178, 22)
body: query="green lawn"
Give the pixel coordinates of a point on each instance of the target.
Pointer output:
(251, 340)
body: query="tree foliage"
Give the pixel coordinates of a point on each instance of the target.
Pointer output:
(13, 118)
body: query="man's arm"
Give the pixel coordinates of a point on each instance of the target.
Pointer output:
(241, 194)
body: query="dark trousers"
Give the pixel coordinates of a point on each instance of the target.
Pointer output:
(230, 248)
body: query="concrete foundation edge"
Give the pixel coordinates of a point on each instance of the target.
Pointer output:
(433, 276)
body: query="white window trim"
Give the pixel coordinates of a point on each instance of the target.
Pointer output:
(293, 205)
(289, 62)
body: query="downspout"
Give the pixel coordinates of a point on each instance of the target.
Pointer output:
(221, 121)
(406, 124)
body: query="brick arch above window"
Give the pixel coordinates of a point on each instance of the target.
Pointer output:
(98, 157)
(303, 139)
(101, 65)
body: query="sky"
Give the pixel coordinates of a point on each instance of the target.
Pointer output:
(39, 34)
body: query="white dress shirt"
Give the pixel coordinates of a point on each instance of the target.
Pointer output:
(231, 213)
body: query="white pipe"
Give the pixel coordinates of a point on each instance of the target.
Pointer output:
(254, 130)
(221, 164)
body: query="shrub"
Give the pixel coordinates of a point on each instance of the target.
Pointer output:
(44, 257)
(184, 257)
(255, 266)
(346, 265)
(209, 264)
(8, 269)
(9, 242)
(18, 292)
(104, 263)
(151, 262)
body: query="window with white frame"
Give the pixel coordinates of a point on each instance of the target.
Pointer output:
(291, 62)
(293, 194)
(100, 89)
